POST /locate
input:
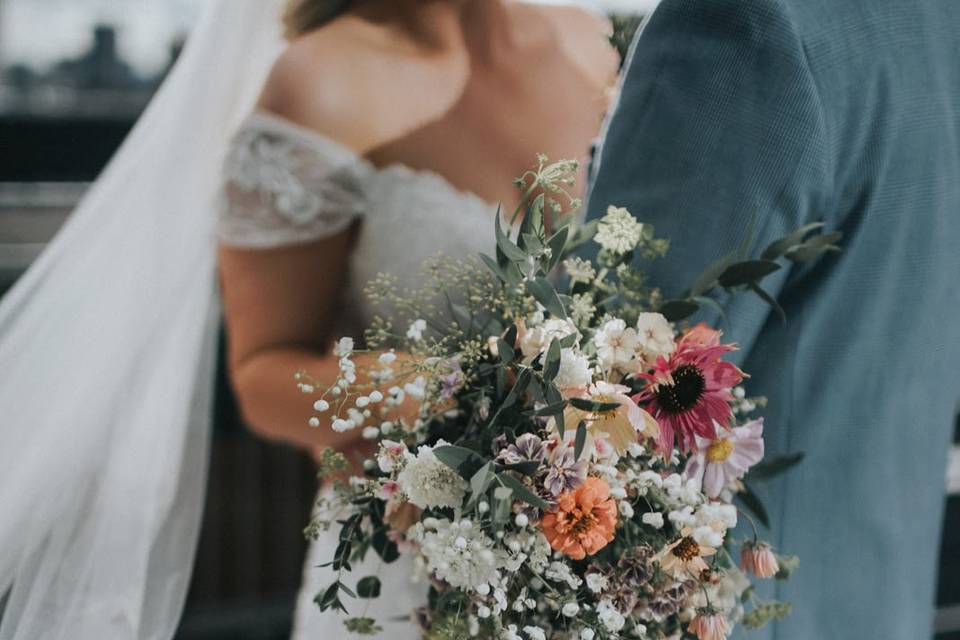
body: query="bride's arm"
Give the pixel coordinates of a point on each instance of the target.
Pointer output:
(281, 307)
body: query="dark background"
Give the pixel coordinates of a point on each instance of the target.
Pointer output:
(249, 559)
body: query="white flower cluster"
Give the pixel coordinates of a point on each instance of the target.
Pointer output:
(460, 553)
(535, 340)
(618, 346)
(427, 482)
(618, 231)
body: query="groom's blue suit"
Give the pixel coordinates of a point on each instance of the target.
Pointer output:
(846, 111)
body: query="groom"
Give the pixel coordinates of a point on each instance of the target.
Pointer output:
(848, 112)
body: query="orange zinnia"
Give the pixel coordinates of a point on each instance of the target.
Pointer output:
(584, 521)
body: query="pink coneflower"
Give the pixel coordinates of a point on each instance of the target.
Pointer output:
(690, 389)
(719, 462)
(709, 626)
(758, 558)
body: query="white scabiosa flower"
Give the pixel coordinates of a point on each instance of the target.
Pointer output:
(616, 344)
(618, 231)
(574, 370)
(654, 336)
(430, 483)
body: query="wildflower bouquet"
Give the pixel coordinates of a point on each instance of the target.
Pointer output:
(560, 462)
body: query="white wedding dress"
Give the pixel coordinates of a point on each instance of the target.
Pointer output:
(285, 185)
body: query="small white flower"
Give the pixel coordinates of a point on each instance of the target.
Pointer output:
(587, 634)
(362, 401)
(321, 405)
(340, 425)
(306, 388)
(415, 332)
(343, 347)
(596, 582)
(626, 509)
(570, 609)
(618, 231)
(387, 357)
(535, 340)
(521, 520)
(579, 270)
(370, 433)
(375, 396)
(612, 619)
(314, 422)
(653, 519)
(654, 336)
(574, 370)
(535, 633)
(616, 344)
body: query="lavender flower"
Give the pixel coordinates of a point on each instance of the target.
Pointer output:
(564, 472)
(527, 448)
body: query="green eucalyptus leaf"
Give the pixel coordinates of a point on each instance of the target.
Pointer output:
(506, 245)
(493, 266)
(505, 351)
(521, 492)
(770, 300)
(580, 440)
(814, 247)
(480, 482)
(544, 293)
(462, 460)
(708, 279)
(551, 367)
(676, 310)
(778, 248)
(523, 380)
(753, 504)
(593, 407)
(525, 468)
(744, 273)
(775, 467)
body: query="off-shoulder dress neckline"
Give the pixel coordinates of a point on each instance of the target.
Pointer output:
(266, 120)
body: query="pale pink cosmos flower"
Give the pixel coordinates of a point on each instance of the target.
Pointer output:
(717, 463)
(758, 558)
(709, 626)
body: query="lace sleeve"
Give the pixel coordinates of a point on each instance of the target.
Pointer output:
(282, 188)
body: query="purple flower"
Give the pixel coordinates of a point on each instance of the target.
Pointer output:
(564, 472)
(451, 383)
(528, 447)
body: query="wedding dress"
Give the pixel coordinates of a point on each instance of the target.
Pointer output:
(285, 185)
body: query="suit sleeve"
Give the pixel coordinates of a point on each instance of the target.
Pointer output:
(718, 120)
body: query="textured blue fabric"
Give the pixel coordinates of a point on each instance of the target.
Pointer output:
(846, 111)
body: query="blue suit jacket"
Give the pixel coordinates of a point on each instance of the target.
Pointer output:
(846, 111)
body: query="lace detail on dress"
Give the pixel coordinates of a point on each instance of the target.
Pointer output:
(282, 189)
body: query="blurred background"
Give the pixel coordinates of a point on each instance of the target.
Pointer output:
(74, 76)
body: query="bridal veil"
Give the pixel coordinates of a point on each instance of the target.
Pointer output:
(106, 347)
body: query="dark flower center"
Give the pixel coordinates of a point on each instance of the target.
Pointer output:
(686, 390)
(687, 549)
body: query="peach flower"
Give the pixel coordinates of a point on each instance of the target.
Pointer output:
(711, 626)
(685, 556)
(584, 521)
(758, 559)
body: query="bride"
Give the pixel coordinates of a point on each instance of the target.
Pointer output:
(384, 130)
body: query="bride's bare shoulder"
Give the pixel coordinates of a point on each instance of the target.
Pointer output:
(337, 80)
(585, 37)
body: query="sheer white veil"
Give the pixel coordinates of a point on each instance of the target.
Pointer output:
(106, 349)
